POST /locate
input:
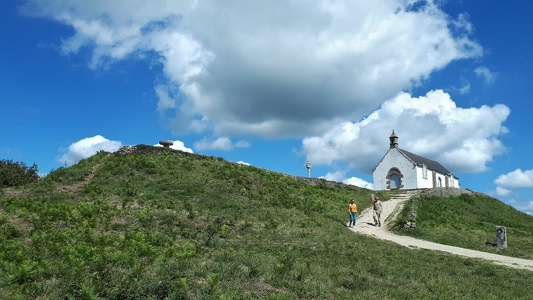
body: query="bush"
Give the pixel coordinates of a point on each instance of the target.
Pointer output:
(16, 173)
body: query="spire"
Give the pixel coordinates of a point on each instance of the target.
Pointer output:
(393, 140)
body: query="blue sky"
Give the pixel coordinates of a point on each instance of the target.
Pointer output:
(275, 84)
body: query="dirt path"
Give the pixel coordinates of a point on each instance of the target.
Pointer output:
(21, 191)
(393, 206)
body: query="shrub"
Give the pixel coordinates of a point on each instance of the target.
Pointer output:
(16, 173)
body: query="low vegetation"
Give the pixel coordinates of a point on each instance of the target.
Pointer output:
(469, 221)
(156, 223)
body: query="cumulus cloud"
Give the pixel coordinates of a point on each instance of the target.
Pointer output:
(221, 143)
(178, 145)
(462, 139)
(513, 182)
(484, 72)
(516, 179)
(340, 176)
(359, 182)
(88, 147)
(335, 176)
(290, 68)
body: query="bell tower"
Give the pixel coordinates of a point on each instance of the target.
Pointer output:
(393, 140)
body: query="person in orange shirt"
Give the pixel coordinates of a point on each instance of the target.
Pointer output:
(352, 209)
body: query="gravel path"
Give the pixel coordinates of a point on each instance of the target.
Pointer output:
(394, 205)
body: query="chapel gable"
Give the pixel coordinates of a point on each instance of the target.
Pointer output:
(401, 169)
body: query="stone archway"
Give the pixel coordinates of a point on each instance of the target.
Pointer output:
(394, 179)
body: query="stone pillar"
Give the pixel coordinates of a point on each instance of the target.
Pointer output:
(501, 237)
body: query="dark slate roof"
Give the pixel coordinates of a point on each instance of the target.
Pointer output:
(430, 164)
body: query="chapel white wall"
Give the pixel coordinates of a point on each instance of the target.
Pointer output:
(425, 181)
(394, 159)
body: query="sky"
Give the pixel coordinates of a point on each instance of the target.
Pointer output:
(275, 84)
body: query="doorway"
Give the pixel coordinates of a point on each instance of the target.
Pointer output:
(394, 179)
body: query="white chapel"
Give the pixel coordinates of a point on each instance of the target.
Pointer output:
(400, 169)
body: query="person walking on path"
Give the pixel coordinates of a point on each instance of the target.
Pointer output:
(378, 208)
(352, 209)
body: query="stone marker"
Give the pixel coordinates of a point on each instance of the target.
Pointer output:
(166, 144)
(501, 237)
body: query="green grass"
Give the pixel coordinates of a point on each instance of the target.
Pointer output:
(163, 224)
(470, 221)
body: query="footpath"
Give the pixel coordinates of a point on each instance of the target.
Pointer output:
(393, 207)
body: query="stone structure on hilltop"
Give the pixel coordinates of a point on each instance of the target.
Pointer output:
(400, 169)
(166, 144)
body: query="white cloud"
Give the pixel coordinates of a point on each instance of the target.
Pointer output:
(166, 101)
(340, 176)
(512, 181)
(484, 72)
(289, 68)
(502, 191)
(359, 182)
(242, 144)
(88, 147)
(465, 89)
(240, 162)
(462, 139)
(221, 143)
(177, 145)
(524, 206)
(516, 179)
(527, 208)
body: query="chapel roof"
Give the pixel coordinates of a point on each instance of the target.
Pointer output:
(430, 164)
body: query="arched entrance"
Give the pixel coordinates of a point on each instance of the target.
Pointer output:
(394, 182)
(394, 179)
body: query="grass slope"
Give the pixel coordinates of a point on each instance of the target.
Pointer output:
(469, 221)
(163, 224)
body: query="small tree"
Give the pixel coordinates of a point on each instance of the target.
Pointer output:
(17, 173)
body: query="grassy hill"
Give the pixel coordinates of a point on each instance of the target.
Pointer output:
(469, 221)
(155, 223)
